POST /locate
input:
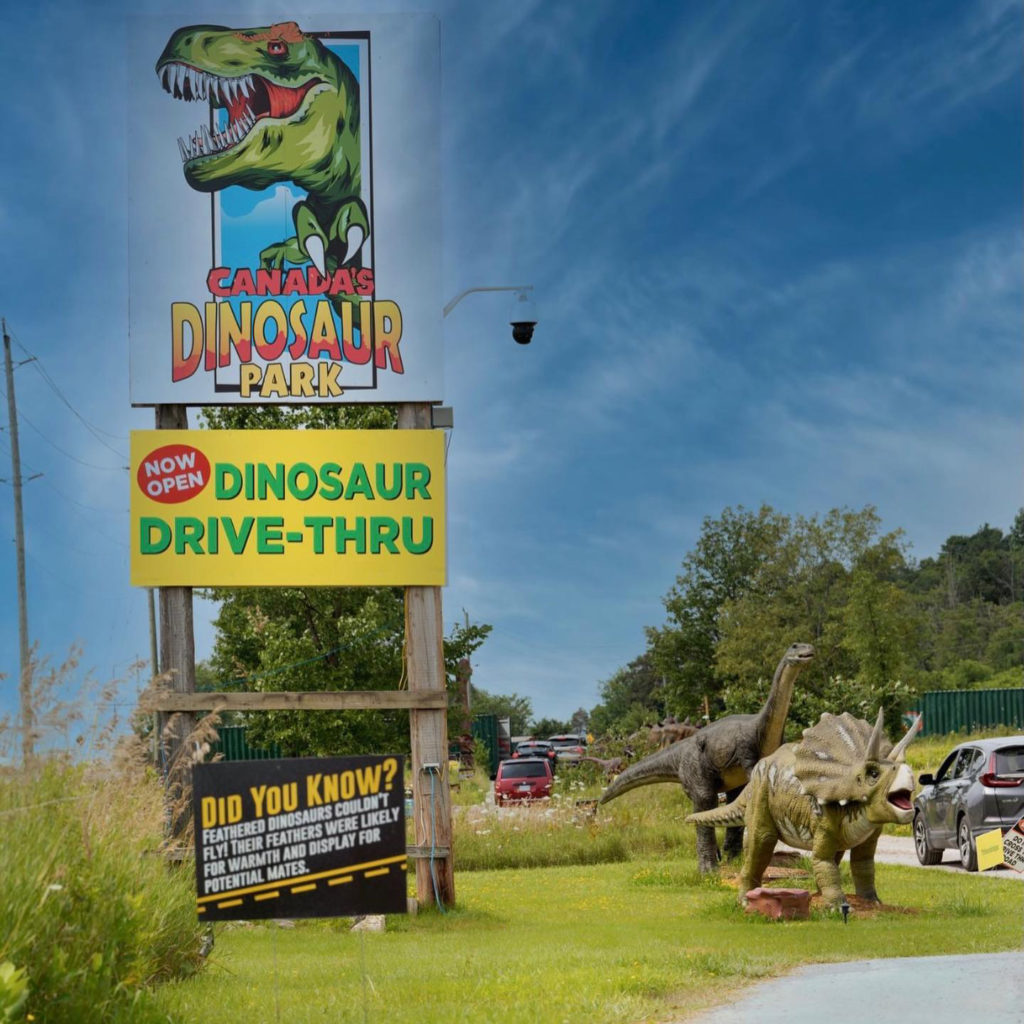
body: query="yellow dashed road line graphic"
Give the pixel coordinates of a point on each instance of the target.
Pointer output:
(305, 883)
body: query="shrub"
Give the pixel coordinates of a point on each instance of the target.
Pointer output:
(91, 912)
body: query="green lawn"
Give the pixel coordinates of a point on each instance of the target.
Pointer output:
(567, 917)
(638, 941)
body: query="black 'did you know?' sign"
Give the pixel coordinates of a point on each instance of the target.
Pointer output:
(300, 837)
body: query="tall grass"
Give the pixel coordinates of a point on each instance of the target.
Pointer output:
(92, 915)
(569, 829)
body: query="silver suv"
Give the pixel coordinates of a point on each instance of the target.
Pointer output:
(978, 787)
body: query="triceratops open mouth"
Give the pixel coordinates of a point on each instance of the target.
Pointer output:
(247, 99)
(900, 798)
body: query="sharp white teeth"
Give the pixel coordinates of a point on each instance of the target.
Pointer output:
(206, 140)
(181, 147)
(231, 89)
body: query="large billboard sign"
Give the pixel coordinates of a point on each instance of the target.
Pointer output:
(300, 837)
(285, 211)
(287, 508)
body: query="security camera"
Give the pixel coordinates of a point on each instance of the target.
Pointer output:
(522, 331)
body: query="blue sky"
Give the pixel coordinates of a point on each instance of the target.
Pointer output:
(777, 258)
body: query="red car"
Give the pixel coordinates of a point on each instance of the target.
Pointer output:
(525, 778)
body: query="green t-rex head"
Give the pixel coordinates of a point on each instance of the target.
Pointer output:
(293, 109)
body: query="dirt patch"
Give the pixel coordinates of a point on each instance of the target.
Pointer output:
(860, 907)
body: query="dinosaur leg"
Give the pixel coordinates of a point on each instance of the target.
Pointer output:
(862, 867)
(733, 845)
(825, 864)
(707, 844)
(759, 842)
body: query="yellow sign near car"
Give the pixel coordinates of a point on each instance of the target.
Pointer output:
(288, 508)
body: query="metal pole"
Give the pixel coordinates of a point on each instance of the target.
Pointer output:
(25, 679)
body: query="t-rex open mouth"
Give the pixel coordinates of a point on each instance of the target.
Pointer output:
(247, 98)
(901, 799)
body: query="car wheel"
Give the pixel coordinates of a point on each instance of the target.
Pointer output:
(965, 844)
(926, 853)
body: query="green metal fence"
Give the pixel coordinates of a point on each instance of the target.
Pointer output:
(233, 745)
(970, 710)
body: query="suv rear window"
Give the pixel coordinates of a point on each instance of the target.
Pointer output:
(1010, 761)
(522, 770)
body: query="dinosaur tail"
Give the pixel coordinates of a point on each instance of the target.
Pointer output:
(660, 767)
(726, 815)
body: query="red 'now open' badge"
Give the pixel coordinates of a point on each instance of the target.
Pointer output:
(173, 473)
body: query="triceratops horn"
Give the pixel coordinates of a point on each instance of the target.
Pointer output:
(899, 752)
(875, 742)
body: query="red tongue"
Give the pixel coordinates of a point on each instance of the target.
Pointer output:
(283, 100)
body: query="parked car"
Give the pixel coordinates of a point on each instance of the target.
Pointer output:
(978, 787)
(569, 747)
(525, 778)
(534, 748)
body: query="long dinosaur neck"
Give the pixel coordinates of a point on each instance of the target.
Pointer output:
(772, 717)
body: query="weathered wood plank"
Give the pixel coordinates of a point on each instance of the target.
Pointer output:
(315, 700)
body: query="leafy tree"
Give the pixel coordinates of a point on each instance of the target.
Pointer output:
(987, 565)
(319, 638)
(632, 697)
(545, 727)
(755, 584)
(519, 710)
(730, 552)
(580, 721)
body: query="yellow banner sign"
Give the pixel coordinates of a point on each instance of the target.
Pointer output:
(990, 849)
(287, 508)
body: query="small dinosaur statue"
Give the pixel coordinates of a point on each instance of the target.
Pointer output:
(670, 731)
(720, 757)
(831, 792)
(611, 766)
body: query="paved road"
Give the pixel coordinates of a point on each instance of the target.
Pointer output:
(900, 850)
(907, 990)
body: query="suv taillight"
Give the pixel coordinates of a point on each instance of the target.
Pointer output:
(989, 777)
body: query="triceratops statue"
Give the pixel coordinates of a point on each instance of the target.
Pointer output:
(831, 792)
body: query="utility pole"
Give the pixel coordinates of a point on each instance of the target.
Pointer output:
(25, 679)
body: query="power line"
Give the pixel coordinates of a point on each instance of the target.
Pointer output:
(94, 430)
(74, 458)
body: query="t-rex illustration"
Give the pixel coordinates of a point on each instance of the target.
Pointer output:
(293, 115)
(829, 793)
(720, 757)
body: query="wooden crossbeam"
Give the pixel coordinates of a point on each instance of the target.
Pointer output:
(314, 700)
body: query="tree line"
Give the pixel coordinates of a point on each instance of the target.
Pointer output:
(886, 628)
